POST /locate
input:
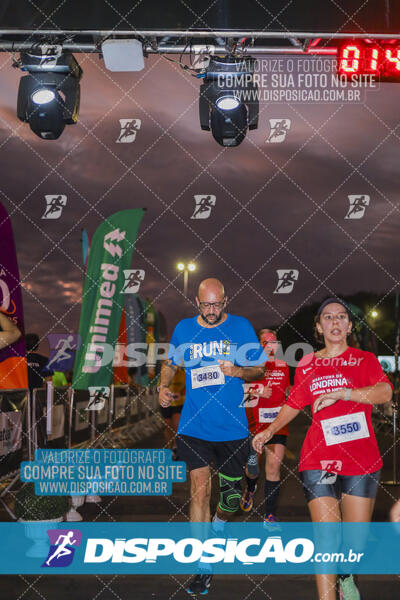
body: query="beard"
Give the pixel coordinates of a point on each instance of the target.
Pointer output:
(215, 321)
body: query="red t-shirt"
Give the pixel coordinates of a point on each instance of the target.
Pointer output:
(341, 438)
(264, 410)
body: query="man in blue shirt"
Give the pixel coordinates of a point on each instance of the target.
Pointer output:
(218, 351)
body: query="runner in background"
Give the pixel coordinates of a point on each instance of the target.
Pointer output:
(59, 379)
(36, 363)
(340, 462)
(172, 413)
(260, 415)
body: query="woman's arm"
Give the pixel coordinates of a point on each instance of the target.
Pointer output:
(10, 332)
(372, 394)
(286, 414)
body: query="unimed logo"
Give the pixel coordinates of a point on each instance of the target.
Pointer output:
(191, 550)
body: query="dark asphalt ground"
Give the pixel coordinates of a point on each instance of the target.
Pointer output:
(292, 507)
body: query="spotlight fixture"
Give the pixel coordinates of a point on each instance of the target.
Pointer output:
(229, 102)
(43, 96)
(49, 96)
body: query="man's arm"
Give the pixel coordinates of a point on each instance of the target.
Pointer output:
(247, 373)
(168, 371)
(252, 373)
(10, 332)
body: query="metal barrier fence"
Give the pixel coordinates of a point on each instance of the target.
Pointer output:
(59, 418)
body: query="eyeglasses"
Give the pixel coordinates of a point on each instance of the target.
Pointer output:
(216, 305)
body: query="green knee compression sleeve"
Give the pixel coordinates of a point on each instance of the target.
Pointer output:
(230, 493)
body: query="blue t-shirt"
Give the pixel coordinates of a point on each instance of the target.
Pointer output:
(213, 408)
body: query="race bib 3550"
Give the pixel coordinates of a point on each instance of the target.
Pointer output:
(345, 428)
(267, 415)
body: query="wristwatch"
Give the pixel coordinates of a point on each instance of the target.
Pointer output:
(347, 395)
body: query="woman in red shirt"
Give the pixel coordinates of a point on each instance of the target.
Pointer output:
(340, 461)
(266, 405)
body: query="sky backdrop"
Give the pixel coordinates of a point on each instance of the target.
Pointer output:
(278, 205)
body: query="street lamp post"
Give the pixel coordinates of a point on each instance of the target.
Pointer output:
(186, 269)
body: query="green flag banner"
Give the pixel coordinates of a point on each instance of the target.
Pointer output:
(110, 253)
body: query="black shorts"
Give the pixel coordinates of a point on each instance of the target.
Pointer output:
(317, 484)
(168, 411)
(252, 460)
(278, 439)
(229, 457)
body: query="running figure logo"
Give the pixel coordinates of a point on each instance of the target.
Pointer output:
(50, 55)
(133, 279)
(203, 206)
(357, 207)
(62, 351)
(129, 128)
(328, 465)
(286, 280)
(54, 206)
(251, 394)
(327, 477)
(202, 55)
(62, 547)
(279, 129)
(98, 397)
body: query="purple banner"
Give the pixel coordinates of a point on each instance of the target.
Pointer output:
(13, 369)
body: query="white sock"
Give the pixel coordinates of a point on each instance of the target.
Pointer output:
(218, 524)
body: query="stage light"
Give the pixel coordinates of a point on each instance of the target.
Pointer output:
(191, 267)
(49, 96)
(180, 267)
(229, 128)
(229, 102)
(43, 96)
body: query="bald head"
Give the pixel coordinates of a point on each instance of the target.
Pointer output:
(211, 301)
(211, 290)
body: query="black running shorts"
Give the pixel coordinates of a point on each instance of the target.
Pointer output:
(278, 439)
(168, 411)
(228, 458)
